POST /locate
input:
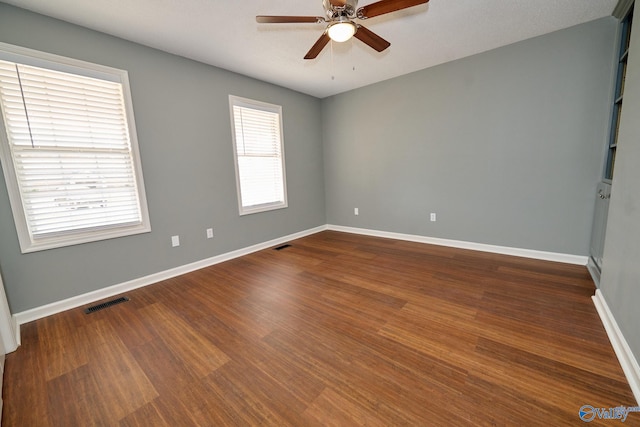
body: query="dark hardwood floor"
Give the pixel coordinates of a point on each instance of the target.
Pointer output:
(337, 329)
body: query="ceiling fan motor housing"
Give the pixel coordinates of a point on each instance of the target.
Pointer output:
(335, 8)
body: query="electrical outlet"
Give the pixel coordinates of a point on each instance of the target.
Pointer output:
(433, 217)
(356, 212)
(175, 241)
(209, 233)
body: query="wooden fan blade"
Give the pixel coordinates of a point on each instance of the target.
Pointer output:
(318, 46)
(386, 6)
(338, 2)
(264, 19)
(372, 39)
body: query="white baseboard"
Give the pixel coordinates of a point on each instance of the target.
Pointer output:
(90, 297)
(626, 358)
(73, 302)
(504, 250)
(594, 271)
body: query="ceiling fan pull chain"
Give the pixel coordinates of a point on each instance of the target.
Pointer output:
(333, 77)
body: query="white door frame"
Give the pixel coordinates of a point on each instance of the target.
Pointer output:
(7, 330)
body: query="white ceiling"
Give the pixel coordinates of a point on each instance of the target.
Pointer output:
(225, 34)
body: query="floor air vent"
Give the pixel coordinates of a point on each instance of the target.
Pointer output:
(281, 247)
(105, 305)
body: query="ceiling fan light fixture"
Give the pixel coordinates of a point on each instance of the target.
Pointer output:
(341, 31)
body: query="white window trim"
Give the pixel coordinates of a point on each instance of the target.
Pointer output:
(259, 105)
(60, 63)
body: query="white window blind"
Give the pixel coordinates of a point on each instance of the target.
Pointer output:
(259, 155)
(71, 156)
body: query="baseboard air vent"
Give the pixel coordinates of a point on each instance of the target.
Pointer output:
(105, 305)
(281, 247)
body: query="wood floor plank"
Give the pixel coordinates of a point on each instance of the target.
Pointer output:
(107, 387)
(196, 406)
(73, 400)
(337, 329)
(119, 384)
(331, 409)
(24, 402)
(605, 389)
(165, 370)
(148, 415)
(234, 314)
(338, 364)
(546, 342)
(128, 325)
(65, 347)
(243, 404)
(190, 347)
(262, 394)
(523, 379)
(304, 386)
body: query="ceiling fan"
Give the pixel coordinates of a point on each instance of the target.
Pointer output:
(340, 22)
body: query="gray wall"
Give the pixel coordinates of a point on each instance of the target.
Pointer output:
(620, 280)
(182, 116)
(505, 146)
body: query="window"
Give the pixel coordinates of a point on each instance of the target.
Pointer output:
(623, 55)
(69, 150)
(259, 155)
